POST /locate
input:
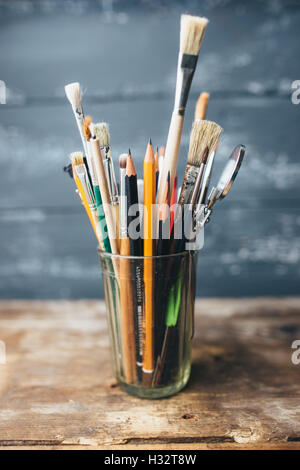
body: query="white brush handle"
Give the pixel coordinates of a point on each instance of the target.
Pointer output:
(79, 122)
(98, 161)
(171, 155)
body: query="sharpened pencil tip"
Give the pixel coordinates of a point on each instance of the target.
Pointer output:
(129, 152)
(150, 141)
(130, 170)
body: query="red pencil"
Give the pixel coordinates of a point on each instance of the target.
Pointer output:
(173, 201)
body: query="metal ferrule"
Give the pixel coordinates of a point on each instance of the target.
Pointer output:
(79, 113)
(110, 175)
(213, 197)
(79, 117)
(187, 188)
(82, 175)
(201, 216)
(185, 72)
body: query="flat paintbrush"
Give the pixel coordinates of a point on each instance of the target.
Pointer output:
(100, 173)
(204, 135)
(192, 30)
(101, 130)
(73, 94)
(81, 173)
(94, 182)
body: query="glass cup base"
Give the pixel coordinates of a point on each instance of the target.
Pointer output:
(157, 391)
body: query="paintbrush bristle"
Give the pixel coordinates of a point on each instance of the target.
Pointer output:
(101, 131)
(73, 93)
(76, 158)
(204, 136)
(123, 160)
(192, 29)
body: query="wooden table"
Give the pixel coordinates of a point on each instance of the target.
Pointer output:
(57, 390)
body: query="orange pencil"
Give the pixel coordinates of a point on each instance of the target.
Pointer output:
(148, 318)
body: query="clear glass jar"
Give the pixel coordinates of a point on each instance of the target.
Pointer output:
(150, 307)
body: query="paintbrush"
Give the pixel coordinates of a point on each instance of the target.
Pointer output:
(140, 186)
(156, 169)
(73, 94)
(102, 183)
(203, 138)
(160, 164)
(79, 171)
(126, 293)
(192, 30)
(164, 224)
(80, 193)
(94, 181)
(101, 130)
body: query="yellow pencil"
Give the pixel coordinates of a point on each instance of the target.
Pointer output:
(148, 319)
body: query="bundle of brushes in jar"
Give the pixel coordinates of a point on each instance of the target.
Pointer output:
(145, 226)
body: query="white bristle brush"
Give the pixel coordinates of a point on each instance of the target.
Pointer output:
(192, 29)
(204, 137)
(73, 94)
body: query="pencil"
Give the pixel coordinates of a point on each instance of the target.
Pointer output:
(126, 295)
(149, 201)
(156, 169)
(133, 215)
(134, 227)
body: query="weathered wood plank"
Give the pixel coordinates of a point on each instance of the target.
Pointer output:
(57, 387)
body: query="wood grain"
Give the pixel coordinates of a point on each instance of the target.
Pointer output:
(57, 389)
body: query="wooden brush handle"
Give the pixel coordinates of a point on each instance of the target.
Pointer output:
(171, 155)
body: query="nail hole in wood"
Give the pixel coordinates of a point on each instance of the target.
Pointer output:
(187, 416)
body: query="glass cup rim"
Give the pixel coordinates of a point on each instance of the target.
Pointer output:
(105, 254)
